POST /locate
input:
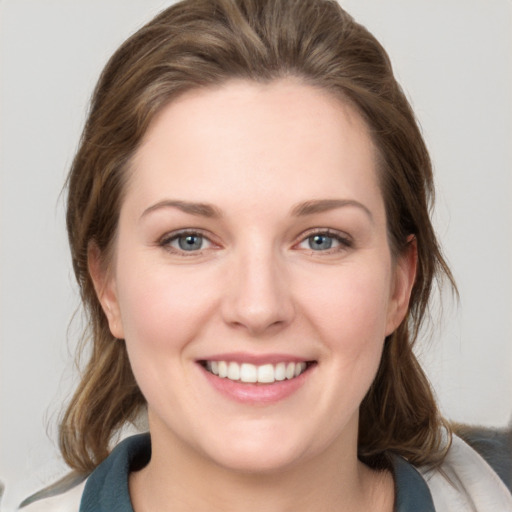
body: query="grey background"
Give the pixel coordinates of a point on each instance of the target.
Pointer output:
(454, 59)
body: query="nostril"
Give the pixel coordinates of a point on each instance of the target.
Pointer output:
(256, 296)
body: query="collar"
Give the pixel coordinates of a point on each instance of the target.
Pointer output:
(106, 489)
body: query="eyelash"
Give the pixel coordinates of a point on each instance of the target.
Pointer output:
(167, 239)
(345, 241)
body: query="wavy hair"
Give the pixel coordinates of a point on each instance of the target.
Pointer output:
(202, 43)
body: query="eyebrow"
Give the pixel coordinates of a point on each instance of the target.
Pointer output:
(199, 209)
(299, 210)
(323, 205)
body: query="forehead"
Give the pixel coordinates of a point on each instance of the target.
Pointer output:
(262, 137)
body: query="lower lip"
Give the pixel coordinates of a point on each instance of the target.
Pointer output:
(257, 393)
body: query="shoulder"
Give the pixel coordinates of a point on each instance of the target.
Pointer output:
(65, 496)
(465, 481)
(494, 445)
(105, 489)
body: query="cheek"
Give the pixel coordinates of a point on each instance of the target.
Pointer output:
(162, 313)
(161, 309)
(350, 306)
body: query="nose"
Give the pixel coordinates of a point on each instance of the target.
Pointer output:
(258, 296)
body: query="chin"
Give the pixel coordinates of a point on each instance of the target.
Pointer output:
(259, 453)
(258, 462)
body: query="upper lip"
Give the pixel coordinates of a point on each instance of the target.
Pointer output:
(256, 359)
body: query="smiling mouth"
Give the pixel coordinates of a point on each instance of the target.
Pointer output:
(256, 374)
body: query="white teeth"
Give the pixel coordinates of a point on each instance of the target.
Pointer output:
(248, 373)
(223, 369)
(264, 374)
(299, 368)
(280, 371)
(233, 371)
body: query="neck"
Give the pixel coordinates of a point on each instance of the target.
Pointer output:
(180, 479)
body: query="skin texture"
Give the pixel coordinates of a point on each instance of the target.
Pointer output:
(257, 155)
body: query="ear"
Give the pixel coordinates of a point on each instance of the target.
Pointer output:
(403, 282)
(106, 291)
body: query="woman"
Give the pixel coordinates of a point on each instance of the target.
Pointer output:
(248, 219)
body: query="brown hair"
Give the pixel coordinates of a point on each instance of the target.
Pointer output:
(197, 43)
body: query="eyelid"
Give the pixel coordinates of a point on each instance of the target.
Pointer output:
(165, 240)
(346, 241)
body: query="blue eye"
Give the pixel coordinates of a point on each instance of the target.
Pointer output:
(321, 242)
(190, 242)
(324, 241)
(185, 242)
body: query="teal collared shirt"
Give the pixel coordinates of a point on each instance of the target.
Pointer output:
(106, 489)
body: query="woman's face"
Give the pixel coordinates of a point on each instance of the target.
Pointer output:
(252, 245)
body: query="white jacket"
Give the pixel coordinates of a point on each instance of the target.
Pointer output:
(463, 483)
